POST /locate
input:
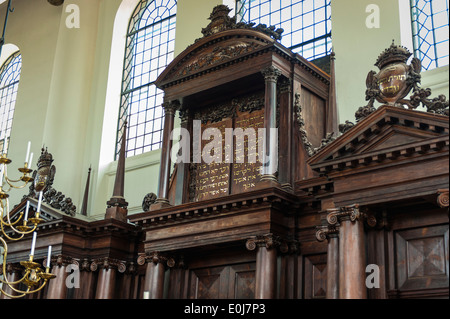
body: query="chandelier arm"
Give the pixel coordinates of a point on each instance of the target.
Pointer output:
(11, 225)
(12, 296)
(10, 238)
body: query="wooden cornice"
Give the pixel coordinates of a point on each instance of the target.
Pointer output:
(264, 43)
(217, 206)
(341, 154)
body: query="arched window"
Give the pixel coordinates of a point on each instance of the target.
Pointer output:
(430, 30)
(9, 83)
(149, 49)
(306, 23)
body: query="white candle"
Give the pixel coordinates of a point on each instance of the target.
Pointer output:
(26, 211)
(39, 203)
(33, 244)
(4, 145)
(28, 152)
(30, 161)
(49, 254)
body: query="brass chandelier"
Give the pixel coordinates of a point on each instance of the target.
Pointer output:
(34, 278)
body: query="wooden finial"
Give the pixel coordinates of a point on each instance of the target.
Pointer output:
(332, 124)
(86, 194)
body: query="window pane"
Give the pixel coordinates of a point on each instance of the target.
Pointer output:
(430, 32)
(9, 83)
(150, 46)
(302, 20)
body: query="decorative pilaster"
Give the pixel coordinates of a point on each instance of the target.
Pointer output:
(154, 275)
(164, 174)
(266, 263)
(270, 160)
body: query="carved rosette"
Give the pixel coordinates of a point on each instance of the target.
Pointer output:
(442, 199)
(271, 241)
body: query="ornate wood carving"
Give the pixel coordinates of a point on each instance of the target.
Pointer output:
(148, 200)
(108, 263)
(270, 241)
(220, 21)
(43, 180)
(310, 149)
(395, 80)
(324, 232)
(156, 257)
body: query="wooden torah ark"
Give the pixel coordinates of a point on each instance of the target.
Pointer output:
(360, 215)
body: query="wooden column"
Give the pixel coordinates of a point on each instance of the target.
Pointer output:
(154, 275)
(164, 173)
(270, 160)
(87, 281)
(182, 185)
(106, 282)
(266, 265)
(331, 233)
(13, 273)
(57, 288)
(352, 255)
(286, 120)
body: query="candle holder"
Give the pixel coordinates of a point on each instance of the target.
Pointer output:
(34, 277)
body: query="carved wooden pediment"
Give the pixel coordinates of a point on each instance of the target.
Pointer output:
(47, 213)
(389, 134)
(212, 51)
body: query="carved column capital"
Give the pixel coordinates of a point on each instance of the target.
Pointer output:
(62, 261)
(270, 241)
(108, 263)
(335, 215)
(156, 257)
(285, 85)
(184, 115)
(326, 232)
(171, 107)
(271, 73)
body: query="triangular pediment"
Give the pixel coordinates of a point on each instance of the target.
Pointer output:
(47, 213)
(213, 52)
(389, 133)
